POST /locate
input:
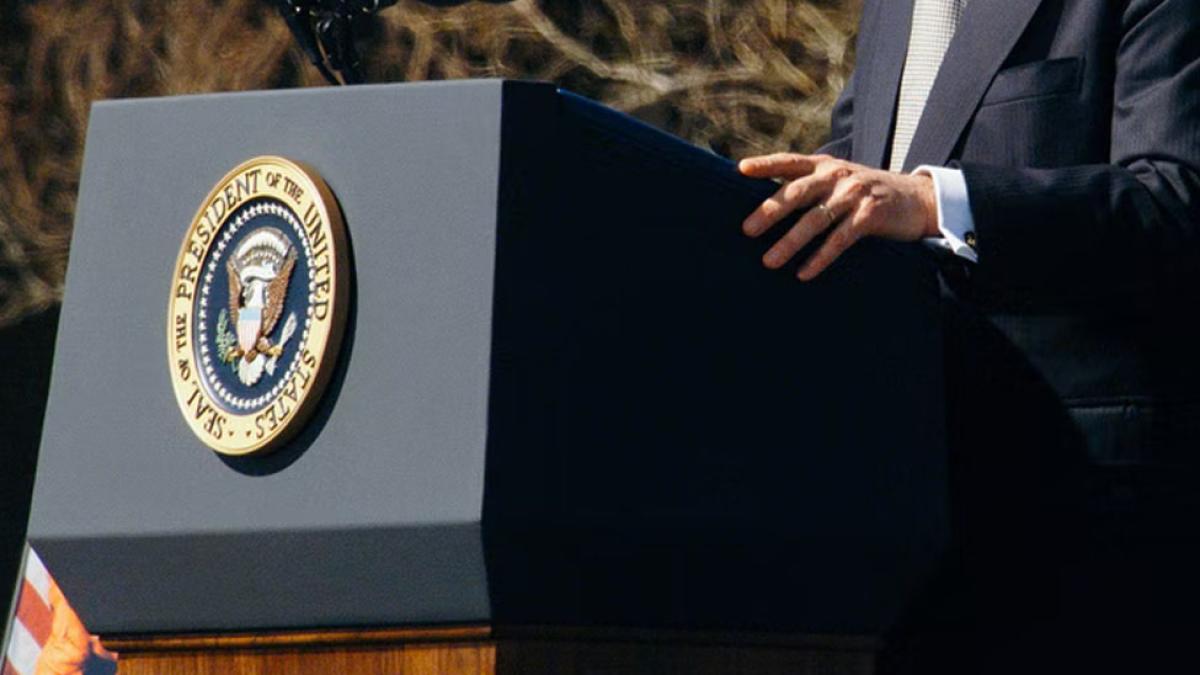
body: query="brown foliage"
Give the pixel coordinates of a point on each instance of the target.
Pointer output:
(738, 76)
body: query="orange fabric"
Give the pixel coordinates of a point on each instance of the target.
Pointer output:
(70, 647)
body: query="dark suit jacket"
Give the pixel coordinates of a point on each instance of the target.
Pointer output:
(1077, 126)
(1073, 358)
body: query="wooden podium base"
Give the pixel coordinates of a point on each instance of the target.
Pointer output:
(484, 650)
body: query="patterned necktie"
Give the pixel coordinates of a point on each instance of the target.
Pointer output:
(933, 26)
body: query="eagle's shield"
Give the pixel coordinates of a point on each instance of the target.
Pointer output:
(249, 321)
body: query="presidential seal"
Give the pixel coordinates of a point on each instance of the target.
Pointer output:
(257, 306)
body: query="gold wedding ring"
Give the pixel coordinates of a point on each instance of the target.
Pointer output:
(828, 213)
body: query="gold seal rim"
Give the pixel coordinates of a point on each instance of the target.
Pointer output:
(327, 354)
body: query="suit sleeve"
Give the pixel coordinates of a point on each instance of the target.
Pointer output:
(1118, 232)
(841, 128)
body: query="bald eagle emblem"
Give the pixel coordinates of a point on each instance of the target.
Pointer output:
(258, 304)
(259, 271)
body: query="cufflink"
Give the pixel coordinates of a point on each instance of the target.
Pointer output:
(969, 238)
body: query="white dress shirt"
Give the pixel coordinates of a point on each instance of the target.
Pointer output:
(953, 211)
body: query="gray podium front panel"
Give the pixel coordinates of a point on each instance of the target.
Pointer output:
(399, 442)
(569, 392)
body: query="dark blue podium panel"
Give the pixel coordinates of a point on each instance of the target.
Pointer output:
(568, 392)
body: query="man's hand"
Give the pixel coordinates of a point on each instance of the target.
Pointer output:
(854, 200)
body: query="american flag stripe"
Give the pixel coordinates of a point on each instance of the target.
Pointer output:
(31, 624)
(37, 575)
(23, 651)
(34, 613)
(31, 632)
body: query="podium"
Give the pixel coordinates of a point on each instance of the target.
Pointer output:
(572, 414)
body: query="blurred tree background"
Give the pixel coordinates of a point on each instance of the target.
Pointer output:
(737, 76)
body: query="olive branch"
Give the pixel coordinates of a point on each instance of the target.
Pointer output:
(225, 338)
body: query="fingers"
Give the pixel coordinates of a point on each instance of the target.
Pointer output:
(798, 194)
(812, 223)
(832, 194)
(780, 165)
(816, 220)
(852, 227)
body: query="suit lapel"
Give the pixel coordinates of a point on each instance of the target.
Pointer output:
(988, 32)
(878, 84)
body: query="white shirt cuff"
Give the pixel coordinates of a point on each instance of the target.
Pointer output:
(954, 211)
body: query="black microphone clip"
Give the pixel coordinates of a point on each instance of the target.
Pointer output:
(324, 29)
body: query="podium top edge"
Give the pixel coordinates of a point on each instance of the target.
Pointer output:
(323, 90)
